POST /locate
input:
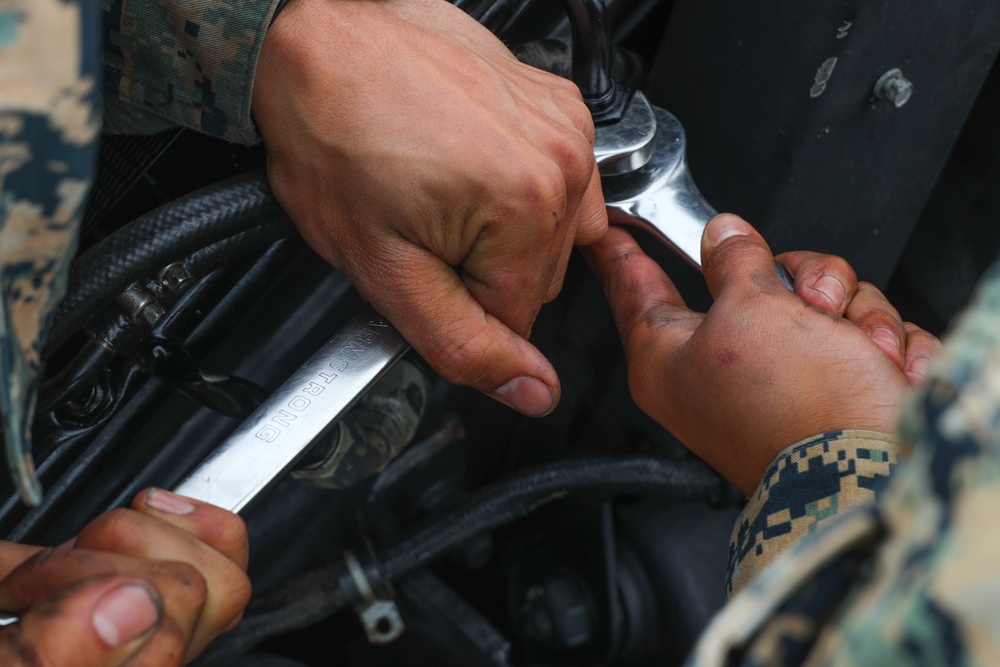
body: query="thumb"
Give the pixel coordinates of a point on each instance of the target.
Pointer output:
(99, 622)
(465, 344)
(736, 258)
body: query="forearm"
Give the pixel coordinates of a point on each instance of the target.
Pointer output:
(183, 62)
(808, 484)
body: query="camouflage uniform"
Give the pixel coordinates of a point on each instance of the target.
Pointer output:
(49, 123)
(874, 571)
(165, 63)
(858, 570)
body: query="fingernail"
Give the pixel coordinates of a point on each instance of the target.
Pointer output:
(726, 226)
(833, 290)
(527, 395)
(168, 502)
(919, 365)
(125, 613)
(886, 336)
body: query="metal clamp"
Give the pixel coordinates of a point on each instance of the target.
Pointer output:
(370, 596)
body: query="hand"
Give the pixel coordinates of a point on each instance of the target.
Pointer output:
(829, 283)
(764, 368)
(150, 585)
(448, 180)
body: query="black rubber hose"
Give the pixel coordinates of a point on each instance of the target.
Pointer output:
(309, 598)
(83, 370)
(210, 258)
(507, 501)
(156, 239)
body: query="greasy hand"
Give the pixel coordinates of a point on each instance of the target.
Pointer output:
(448, 180)
(150, 585)
(764, 368)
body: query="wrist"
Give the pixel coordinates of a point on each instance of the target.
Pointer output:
(831, 454)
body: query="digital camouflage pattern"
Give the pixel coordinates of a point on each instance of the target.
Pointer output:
(851, 578)
(914, 577)
(49, 124)
(809, 483)
(183, 62)
(165, 63)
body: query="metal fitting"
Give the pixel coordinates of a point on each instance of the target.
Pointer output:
(176, 277)
(894, 87)
(140, 305)
(362, 583)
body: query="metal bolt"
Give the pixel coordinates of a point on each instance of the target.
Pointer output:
(152, 313)
(176, 277)
(894, 87)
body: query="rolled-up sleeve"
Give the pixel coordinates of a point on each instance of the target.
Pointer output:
(189, 63)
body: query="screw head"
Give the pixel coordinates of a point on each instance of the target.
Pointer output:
(894, 87)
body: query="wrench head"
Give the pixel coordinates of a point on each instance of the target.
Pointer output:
(661, 196)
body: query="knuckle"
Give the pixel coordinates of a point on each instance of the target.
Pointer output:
(110, 531)
(229, 533)
(567, 87)
(732, 252)
(234, 599)
(924, 338)
(241, 591)
(843, 267)
(186, 582)
(869, 291)
(463, 357)
(876, 308)
(577, 110)
(575, 155)
(543, 192)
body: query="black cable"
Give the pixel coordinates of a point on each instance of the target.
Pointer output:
(309, 598)
(156, 239)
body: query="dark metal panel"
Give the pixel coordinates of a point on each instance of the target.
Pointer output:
(796, 141)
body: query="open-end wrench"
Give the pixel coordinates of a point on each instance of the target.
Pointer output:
(646, 184)
(304, 408)
(655, 190)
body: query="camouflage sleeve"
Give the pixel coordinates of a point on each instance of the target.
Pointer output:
(809, 483)
(183, 62)
(933, 594)
(914, 578)
(49, 123)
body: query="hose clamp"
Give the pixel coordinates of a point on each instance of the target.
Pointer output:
(361, 581)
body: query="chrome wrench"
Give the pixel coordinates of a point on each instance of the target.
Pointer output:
(655, 192)
(303, 408)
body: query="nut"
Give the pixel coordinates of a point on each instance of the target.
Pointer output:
(894, 87)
